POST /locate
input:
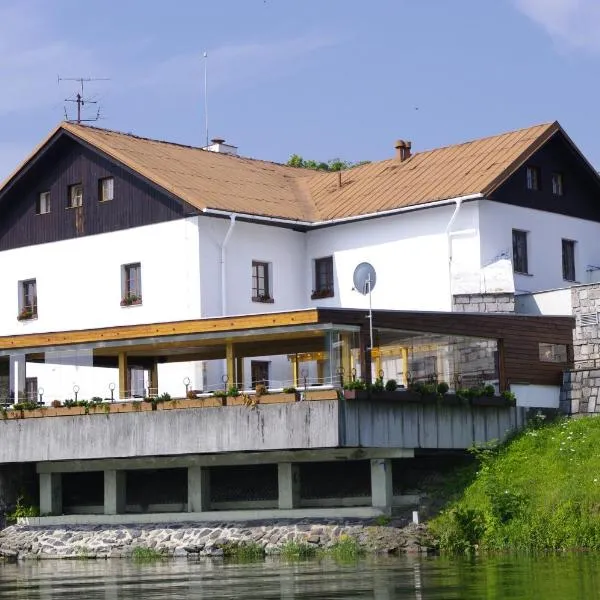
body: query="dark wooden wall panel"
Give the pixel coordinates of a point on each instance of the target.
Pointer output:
(581, 196)
(68, 162)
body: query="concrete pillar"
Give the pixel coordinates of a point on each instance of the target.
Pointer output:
(17, 377)
(123, 376)
(50, 494)
(114, 492)
(230, 364)
(288, 476)
(198, 489)
(239, 372)
(381, 484)
(153, 379)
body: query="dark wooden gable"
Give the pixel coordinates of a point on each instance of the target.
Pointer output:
(581, 185)
(66, 161)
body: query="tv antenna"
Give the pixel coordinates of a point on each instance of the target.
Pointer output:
(80, 98)
(205, 57)
(364, 280)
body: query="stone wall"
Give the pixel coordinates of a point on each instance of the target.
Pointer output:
(484, 303)
(581, 387)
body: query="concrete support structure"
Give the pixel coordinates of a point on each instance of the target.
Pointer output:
(239, 372)
(114, 492)
(346, 339)
(288, 476)
(198, 489)
(230, 364)
(17, 377)
(50, 494)
(381, 484)
(153, 379)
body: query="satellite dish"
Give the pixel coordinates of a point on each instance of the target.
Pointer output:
(364, 278)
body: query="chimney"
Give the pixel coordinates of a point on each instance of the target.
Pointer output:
(402, 150)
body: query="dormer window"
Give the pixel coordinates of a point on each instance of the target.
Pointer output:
(534, 180)
(75, 195)
(557, 184)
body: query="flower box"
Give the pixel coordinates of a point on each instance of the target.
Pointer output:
(320, 394)
(497, 401)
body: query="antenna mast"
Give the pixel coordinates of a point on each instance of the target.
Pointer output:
(80, 98)
(206, 96)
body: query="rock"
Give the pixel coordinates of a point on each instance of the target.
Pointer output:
(313, 539)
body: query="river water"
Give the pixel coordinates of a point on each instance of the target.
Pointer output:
(568, 577)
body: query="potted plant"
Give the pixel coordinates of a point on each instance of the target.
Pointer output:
(131, 300)
(27, 313)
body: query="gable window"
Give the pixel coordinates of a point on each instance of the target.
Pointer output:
(534, 181)
(75, 195)
(131, 284)
(27, 300)
(568, 260)
(261, 282)
(42, 206)
(106, 188)
(557, 184)
(323, 284)
(520, 259)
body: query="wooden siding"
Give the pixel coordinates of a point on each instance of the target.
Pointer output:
(66, 162)
(519, 336)
(581, 187)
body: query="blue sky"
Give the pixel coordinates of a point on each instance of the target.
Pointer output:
(322, 78)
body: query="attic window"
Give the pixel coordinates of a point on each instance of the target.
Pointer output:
(75, 195)
(557, 184)
(106, 189)
(534, 180)
(42, 206)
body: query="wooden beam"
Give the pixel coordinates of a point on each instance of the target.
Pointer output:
(153, 380)
(220, 325)
(230, 359)
(123, 376)
(295, 374)
(405, 366)
(239, 371)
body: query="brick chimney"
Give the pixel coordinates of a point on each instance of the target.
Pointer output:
(402, 150)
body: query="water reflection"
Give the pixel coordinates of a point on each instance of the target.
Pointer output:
(386, 578)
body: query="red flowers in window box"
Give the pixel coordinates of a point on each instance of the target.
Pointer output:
(27, 313)
(131, 300)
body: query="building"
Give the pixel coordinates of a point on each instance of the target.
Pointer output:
(103, 229)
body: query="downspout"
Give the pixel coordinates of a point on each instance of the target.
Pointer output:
(449, 240)
(223, 265)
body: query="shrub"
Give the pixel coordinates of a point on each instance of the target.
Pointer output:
(489, 390)
(293, 550)
(443, 388)
(243, 550)
(220, 394)
(346, 548)
(233, 391)
(164, 397)
(509, 397)
(22, 510)
(289, 390)
(144, 554)
(382, 521)
(357, 385)
(391, 385)
(96, 400)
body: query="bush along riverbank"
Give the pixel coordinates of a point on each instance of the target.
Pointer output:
(539, 491)
(300, 539)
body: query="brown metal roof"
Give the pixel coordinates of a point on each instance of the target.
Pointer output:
(209, 180)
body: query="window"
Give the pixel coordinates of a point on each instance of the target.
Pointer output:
(106, 189)
(27, 300)
(75, 195)
(137, 382)
(323, 278)
(534, 181)
(556, 353)
(261, 282)
(557, 184)
(259, 371)
(568, 260)
(131, 284)
(519, 242)
(31, 389)
(42, 206)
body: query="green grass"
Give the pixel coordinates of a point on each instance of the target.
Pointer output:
(346, 549)
(143, 554)
(243, 551)
(539, 491)
(293, 550)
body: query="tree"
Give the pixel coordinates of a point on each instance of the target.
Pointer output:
(335, 164)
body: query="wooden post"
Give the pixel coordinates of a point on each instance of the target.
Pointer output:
(123, 376)
(230, 359)
(153, 379)
(405, 366)
(377, 355)
(239, 372)
(295, 373)
(347, 355)
(502, 379)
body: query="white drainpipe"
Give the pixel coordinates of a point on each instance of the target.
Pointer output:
(449, 238)
(223, 265)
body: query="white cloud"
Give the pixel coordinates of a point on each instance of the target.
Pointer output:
(574, 22)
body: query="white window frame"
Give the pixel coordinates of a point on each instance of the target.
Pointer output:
(129, 295)
(76, 195)
(107, 188)
(44, 206)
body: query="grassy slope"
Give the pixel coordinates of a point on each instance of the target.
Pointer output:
(539, 491)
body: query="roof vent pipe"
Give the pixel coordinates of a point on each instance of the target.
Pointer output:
(402, 150)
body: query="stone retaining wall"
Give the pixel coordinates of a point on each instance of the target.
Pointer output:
(580, 392)
(191, 541)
